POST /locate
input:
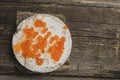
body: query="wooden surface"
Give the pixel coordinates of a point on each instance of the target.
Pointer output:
(95, 30)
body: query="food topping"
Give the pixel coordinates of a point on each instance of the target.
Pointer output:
(65, 27)
(30, 50)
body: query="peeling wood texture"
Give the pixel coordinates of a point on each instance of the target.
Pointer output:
(95, 30)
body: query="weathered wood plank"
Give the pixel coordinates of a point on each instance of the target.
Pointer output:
(7, 65)
(95, 32)
(111, 16)
(94, 29)
(7, 30)
(90, 3)
(38, 77)
(81, 13)
(7, 69)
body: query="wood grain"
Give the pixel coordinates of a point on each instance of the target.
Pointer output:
(38, 77)
(89, 3)
(95, 31)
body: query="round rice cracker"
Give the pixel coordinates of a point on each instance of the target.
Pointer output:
(56, 27)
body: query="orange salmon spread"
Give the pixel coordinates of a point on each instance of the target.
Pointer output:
(35, 50)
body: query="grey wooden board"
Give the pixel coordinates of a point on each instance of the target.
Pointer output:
(90, 3)
(39, 77)
(95, 33)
